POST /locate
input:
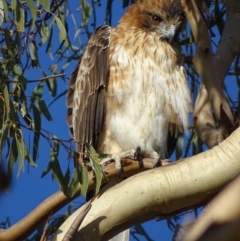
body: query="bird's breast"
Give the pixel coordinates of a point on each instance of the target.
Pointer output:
(146, 91)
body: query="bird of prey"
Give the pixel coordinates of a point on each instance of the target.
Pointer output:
(129, 89)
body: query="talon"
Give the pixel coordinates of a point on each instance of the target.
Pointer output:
(117, 157)
(157, 162)
(138, 156)
(157, 159)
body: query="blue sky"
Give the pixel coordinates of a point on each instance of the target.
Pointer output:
(29, 190)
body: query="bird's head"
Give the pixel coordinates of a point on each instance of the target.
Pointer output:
(161, 16)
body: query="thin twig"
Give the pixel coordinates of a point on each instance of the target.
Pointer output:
(77, 222)
(38, 80)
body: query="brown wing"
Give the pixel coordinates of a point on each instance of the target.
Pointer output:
(86, 90)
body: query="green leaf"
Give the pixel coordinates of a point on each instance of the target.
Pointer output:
(52, 86)
(44, 109)
(33, 54)
(21, 152)
(12, 115)
(63, 39)
(18, 46)
(23, 106)
(91, 151)
(67, 175)
(73, 184)
(95, 158)
(37, 127)
(93, 154)
(19, 16)
(86, 11)
(49, 42)
(83, 178)
(5, 7)
(28, 157)
(33, 11)
(3, 136)
(63, 33)
(1, 12)
(56, 169)
(98, 174)
(13, 154)
(16, 70)
(197, 145)
(6, 98)
(37, 92)
(46, 4)
(14, 4)
(2, 114)
(45, 33)
(23, 81)
(8, 39)
(47, 170)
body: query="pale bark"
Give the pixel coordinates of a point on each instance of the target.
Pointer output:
(229, 47)
(160, 192)
(212, 71)
(220, 219)
(55, 202)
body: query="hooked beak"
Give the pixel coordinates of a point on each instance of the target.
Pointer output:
(170, 33)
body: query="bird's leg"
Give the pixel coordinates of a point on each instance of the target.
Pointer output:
(117, 157)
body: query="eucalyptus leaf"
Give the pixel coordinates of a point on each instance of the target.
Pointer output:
(47, 170)
(62, 30)
(13, 154)
(52, 86)
(73, 184)
(33, 54)
(5, 7)
(1, 12)
(21, 152)
(45, 33)
(44, 109)
(56, 169)
(33, 11)
(98, 174)
(6, 98)
(46, 4)
(83, 178)
(37, 129)
(19, 16)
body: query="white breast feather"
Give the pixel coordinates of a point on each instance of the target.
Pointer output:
(143, 93)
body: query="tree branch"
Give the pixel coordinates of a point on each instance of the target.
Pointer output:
(229, 46)
(58, 200)
(160, 192)
(220, 219)
(204, 64)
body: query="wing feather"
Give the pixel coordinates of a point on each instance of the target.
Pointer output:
(86, 91)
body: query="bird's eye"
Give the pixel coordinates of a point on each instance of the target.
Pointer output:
(156, 19)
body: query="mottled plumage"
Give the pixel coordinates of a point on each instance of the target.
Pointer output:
(129, 89)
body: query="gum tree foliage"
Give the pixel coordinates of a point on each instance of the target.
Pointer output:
(29, 28)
